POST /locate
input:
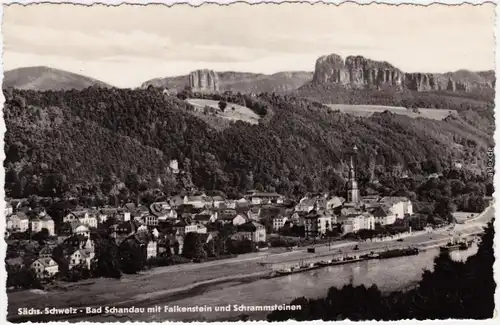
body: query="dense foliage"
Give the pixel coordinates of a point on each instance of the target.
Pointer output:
(456, 290)
(115, 142)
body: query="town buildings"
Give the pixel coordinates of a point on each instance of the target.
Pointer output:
(162, 226)
(45, 267)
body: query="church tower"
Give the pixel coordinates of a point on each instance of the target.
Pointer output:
(352, 184)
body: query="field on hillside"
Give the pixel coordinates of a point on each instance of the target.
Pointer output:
(239, 113)
(368, 110)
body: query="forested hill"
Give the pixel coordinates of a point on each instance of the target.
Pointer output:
(91, 140)
(44, 78)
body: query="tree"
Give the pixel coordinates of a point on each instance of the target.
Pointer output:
(210, 248)
(131, 256)
(193, 247)
(106, 263)
(22, 277)
(176, 248)
(41, 236)
(444, 209)
(132, 182)
(222, 105)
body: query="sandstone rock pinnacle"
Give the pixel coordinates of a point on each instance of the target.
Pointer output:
(204, 81)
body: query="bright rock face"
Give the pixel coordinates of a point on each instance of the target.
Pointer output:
(204, 81)
(360, 72)
(356, 72)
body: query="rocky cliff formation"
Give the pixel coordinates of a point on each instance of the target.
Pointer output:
(360, 72)
(204, 81)
(330, 69)
(368, 73)
(243, 82)
(356, 72)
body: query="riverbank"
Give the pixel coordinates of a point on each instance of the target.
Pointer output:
(161, 284)
(144, 290)
(128, 289)
(402, 273)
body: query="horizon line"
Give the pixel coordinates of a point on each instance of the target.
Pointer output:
(221, 71)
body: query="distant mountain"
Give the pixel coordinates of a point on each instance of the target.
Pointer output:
(242, 81)
(44, 78)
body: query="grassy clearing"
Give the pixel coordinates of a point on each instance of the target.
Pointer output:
(368, 110)
(239, 113)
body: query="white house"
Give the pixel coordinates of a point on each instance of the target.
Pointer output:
(330, 203)
(174, 166)
(151, 249)
(19, 222)
(230, 204)
(216, 201)
(256, 231)
(44, 221)
(151, 220)
(201, 229)
(234, 219)
(45, 267)
(399, 206)
(80, 229)
(89, 220)
(142, 228)
(265, 198)
(71, 218)
(184, 227)
(196, 201)
(8, 209)
(305, 205)
(357, 222)
(279, 222)
(317, 223)
(80, 257)
(383, 216)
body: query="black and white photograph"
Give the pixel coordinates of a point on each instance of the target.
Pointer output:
(266, 162)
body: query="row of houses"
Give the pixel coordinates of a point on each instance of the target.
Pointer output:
(20, 222)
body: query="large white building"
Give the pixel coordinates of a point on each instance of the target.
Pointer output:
(44, 221)
(317, 223)
(18, 222)
(89, 220)
(356, 222)
(399, 206)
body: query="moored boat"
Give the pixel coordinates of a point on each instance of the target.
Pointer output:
(449, 247)
(399, 252)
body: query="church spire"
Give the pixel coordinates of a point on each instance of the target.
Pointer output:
(352, 184)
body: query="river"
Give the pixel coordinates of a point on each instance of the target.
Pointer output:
(388, 275)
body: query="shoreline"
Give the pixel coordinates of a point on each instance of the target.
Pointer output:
(148, 299)
(182, 291)
(170, 295)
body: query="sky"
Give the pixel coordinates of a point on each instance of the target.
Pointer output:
(127, 45)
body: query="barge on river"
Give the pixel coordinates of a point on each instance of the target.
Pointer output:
(303, 267)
